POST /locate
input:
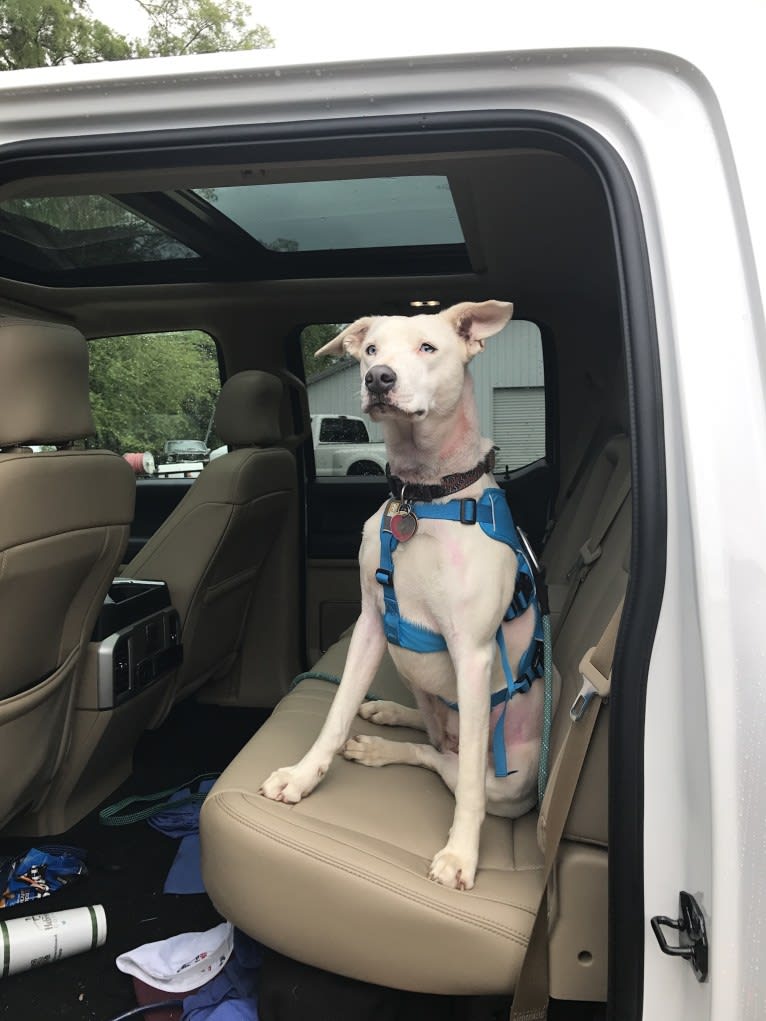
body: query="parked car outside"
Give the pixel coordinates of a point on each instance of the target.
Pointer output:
(342, 446)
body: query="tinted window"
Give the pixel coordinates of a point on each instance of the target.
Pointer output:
(508, 382)
(343, 430)
(153, 397)
(77, 231)
(373, 212)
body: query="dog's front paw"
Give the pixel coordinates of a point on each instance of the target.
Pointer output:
(289, 784)
(452, 870)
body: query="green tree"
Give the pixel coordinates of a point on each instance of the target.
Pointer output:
(44, 33)
(312, 338)
(199, 26)
(149, 388)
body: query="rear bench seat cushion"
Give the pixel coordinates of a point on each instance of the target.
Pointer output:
(339, 881)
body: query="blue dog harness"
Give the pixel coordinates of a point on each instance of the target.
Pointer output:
(492, 514)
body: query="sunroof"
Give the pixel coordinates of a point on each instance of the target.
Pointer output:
(67, 232)
(371, 212)
(379, 226)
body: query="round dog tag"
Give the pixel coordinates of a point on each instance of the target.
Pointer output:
(403, 526)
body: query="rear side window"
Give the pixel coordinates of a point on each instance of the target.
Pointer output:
(509, 384)
(342, 430)
(510, 393)
(153, 396)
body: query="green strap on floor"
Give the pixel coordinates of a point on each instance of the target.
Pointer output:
(158, 802)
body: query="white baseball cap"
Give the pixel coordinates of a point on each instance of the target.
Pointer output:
(181, 963)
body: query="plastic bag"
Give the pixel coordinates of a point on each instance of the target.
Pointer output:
(39, 872)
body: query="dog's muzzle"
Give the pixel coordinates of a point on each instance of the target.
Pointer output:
(380, 379)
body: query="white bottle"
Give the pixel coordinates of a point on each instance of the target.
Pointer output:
(40, 939)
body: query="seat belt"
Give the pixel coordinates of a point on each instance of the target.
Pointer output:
(615, 496)
(530, 1001)
(556, 505)
(587, 457)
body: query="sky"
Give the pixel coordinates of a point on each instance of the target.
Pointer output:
(330, 27)
(349, 28)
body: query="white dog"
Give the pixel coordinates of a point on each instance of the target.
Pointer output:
(455, 580)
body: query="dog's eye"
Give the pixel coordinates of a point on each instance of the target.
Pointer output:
(427, 348)
(370, 350)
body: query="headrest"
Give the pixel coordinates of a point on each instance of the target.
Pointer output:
(247, 413)
(44, 394)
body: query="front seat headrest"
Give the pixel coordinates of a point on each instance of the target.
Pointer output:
(248, 410)
(44, 396)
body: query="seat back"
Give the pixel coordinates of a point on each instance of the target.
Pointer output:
(64, 521)
(596, 517)
(230, 525)
(584, 523)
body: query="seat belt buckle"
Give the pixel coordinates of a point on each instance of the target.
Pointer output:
(585, 558)
(587, 555)
(593, 684)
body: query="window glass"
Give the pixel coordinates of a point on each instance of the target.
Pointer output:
(153, 397)
(373, 212)
(343, 430)
(63, 232)
(508, 383)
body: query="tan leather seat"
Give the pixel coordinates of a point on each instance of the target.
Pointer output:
(584, 521)
(340, 880)
(213, 546)
(64, 521)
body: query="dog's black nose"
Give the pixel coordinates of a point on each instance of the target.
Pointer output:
(380, 379)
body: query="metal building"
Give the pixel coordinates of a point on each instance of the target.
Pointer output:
(509, 384)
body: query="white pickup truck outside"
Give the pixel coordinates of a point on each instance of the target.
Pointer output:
(342, 446)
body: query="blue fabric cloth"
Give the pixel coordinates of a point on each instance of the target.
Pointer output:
(231, 995)
(179, 822)
(185, 875)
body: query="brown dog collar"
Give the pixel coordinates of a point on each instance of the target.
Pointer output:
(445, 487)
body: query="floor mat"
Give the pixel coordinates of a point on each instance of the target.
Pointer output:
(127, 866)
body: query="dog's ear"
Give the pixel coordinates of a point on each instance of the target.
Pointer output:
(475, 321)
(348, 341)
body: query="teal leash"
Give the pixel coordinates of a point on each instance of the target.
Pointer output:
(314, 675)
(330, 678)
(111, 815)
(545, 740)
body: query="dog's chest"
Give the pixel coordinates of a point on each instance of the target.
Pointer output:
(447, 577)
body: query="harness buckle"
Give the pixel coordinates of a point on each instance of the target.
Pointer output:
(384, 576)
(522, 684)
(468, 512)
